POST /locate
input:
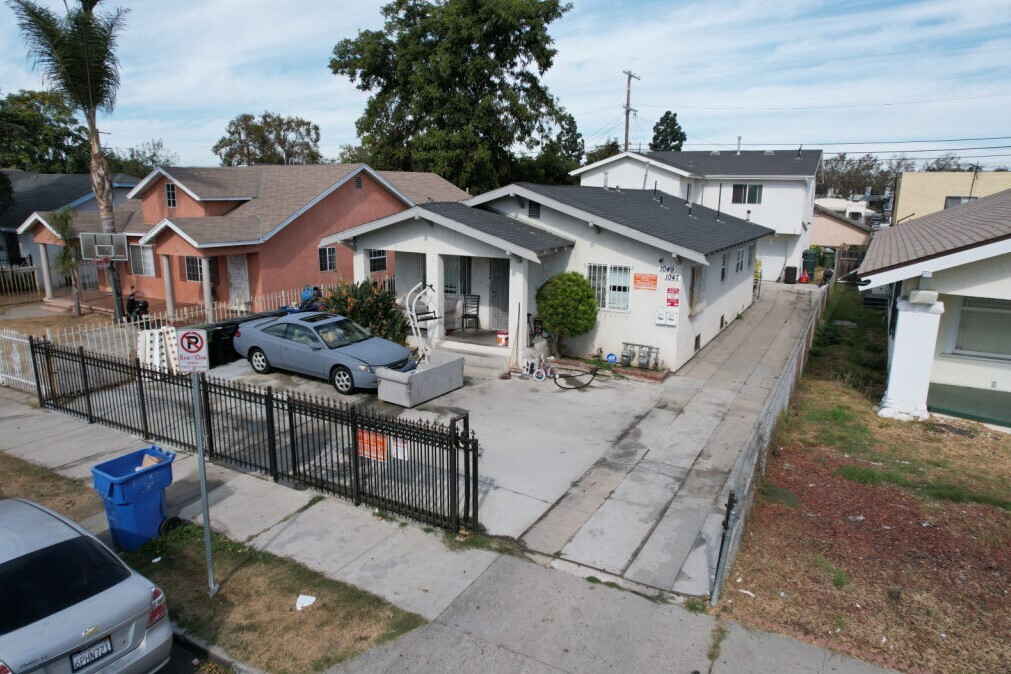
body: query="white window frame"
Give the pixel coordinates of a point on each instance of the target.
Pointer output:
(328, 258)
(696, 288)
(141, 260)
(751, 193)
(608, 287)
(963, 308)
(739, 266)
(377, 256)
(170, 195)
(723, 267)
(196, 273)
(751, 255)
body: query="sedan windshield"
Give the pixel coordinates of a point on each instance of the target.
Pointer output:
(343, 332)
(49, 580)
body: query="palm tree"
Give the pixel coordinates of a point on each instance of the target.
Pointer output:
(77, 53)
(68, 260)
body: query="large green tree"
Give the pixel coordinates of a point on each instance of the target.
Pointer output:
(455, 85)
(39, 132)
(608, 149)
(141, 159)
(849, 176)
(668, 134)
(269, 139)
(77, 54)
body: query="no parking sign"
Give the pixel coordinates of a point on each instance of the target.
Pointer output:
(191, 346)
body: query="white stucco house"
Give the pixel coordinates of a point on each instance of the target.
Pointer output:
(950, 312)
(667, 275)
(772, 188)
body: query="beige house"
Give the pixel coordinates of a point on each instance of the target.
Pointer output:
(831, 230)
(949, 321)
(920, 194)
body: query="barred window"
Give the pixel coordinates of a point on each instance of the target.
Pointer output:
(610, 285)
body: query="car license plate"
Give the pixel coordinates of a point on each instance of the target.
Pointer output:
(82, 659)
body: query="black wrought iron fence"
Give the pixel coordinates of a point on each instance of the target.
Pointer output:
(426, 471)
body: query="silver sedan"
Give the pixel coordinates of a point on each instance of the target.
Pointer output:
(69, 604)
(320, 345)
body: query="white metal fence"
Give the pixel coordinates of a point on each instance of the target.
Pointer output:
(16, 361)
(18, 285)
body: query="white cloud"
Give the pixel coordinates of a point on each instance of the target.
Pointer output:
(771, 72)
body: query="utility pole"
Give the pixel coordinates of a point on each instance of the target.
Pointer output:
(628, 102)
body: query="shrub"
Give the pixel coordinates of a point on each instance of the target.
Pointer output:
(375, 308)
(567, 306)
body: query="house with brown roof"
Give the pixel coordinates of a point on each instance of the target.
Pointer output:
(829, 229)
(198, 235)
(950, 310)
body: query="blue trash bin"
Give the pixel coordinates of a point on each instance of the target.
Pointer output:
(134, 496)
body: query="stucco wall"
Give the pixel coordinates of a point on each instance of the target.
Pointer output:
(830, 232)
(155, 209)
(987, 278)
(919, 194)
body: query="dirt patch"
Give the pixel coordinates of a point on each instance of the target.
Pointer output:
(73, 498)
(36, 325)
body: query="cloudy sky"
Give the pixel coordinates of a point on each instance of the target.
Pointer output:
(854, 76)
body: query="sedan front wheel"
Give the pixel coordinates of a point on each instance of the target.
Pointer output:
(342, 380)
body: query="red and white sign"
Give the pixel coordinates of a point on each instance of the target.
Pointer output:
(673, 297)
(191, 346)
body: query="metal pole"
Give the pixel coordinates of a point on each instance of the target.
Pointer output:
(198, 429)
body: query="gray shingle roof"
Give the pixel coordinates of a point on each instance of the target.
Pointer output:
(763, 163)
(275, 193)
(48, 192)
(979, 222)
(518, 233)
(128, 219)
(668, 220)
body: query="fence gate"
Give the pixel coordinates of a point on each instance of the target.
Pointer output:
(16, 361)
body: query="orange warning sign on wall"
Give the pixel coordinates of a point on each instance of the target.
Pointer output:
(644, 281)
(371, 445)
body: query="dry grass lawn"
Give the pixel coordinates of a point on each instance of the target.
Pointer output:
(253, 616)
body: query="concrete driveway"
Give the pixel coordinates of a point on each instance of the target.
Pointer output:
(625, 478)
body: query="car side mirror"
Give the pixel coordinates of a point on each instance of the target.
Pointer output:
(316, 347)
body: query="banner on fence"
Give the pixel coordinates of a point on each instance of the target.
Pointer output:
(371, 445)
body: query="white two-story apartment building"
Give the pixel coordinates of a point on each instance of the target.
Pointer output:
(772, 188)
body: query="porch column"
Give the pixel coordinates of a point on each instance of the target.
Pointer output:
(519, 289)
(205, 274)
(435, 273)
(360, 265)
(170, 295)
(47, 275)
(912, 357)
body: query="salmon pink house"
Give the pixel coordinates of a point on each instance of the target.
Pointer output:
(226, 234)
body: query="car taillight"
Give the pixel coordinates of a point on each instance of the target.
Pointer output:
(238, 333)
(159, 609)
(4, 669)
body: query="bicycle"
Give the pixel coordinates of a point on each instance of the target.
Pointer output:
(545, 368)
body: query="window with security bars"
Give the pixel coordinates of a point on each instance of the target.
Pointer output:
(610, 285)
(984, 327)
(327, 259)
(142, 260)
(377, 260)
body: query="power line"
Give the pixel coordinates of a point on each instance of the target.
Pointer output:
(862, 142)
(831, 107)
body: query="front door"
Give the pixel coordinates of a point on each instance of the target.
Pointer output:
(238, 278)
(498, 286)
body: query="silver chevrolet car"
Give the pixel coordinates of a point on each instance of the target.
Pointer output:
(69, 604)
